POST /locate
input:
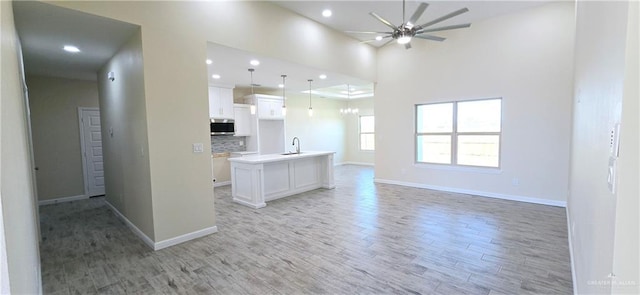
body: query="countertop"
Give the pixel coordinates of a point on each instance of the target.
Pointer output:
(242, 154)
(258, 159)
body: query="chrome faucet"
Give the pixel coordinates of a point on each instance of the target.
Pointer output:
(294, 143)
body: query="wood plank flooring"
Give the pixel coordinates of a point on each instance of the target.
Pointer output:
(360, 238)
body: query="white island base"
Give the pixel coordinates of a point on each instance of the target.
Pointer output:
(257, 179)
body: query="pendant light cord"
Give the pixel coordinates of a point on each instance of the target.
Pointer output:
(310, 80)
(251, 71)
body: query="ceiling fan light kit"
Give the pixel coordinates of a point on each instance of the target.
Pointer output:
(405, 32)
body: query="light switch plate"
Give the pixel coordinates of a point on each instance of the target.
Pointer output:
(614, 141)
(611, 175)
(198, 148)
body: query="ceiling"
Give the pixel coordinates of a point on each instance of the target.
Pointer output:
(354, 15)
(44, 29)
(232, 65)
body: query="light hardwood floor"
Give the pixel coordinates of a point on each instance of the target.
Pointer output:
(360, 238)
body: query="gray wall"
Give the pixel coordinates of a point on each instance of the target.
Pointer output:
(54, 106)
(124, 136)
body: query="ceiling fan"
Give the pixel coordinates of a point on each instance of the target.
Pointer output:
(409, 30)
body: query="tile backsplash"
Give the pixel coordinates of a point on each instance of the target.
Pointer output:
(228, 143)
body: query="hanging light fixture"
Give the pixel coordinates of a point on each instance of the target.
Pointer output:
(284, 106)
(310, 108)
(252, 108)
(349, 110)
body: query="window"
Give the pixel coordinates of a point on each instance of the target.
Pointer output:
(459, 133)
(367, 135)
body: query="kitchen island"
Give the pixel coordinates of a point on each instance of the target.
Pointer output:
(256, 179)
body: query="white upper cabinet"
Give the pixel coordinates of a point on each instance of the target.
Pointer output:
(242, 114)
(270, 109)
(220, 103)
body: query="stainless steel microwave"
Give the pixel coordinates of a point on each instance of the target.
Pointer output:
(222, 127)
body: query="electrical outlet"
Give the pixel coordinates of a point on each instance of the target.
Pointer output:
(241, 143)
(198, 148)
(515, 181)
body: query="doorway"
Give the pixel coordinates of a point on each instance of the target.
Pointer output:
(91, 148)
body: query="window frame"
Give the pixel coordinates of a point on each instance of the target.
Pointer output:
(360, 133)
(454, 135)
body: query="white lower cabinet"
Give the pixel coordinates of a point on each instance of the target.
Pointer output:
(260, 178)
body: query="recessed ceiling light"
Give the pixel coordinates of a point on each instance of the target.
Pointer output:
(254, 62)
(280, 85)
(378, 38)
(215, 76)
(71, 48)
(323, 76)
(327, 13)
(209, 61)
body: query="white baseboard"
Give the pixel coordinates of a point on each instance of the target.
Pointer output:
(222, 183)
(476, 193)
(186, 237)
(148, 241)
(62, 200)
(573, 265)
(358, 163)
(168, 242)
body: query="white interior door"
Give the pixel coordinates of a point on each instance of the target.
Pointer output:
(91, 142)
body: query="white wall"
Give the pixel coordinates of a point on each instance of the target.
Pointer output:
(324, 131)
(604, 226)
(626, 256)
(527, 59)
(124, 136)
(16, 182)
(54, 106)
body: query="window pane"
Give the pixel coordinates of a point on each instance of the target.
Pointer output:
(367, 124)
(434, 149)
(479, 150)
(367, 142)
(434, 118)
(479, 116)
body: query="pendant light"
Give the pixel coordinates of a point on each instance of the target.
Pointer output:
(252, 108)
(349, 110)
(284, 106)
(310, 108)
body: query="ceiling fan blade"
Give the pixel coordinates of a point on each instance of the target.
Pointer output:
(429, 37)
(363, 32)
(382, 20)
(417, 14)
(372, 40)
(387, 43)
(444, 28)
(407, 46)
(445, 17)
